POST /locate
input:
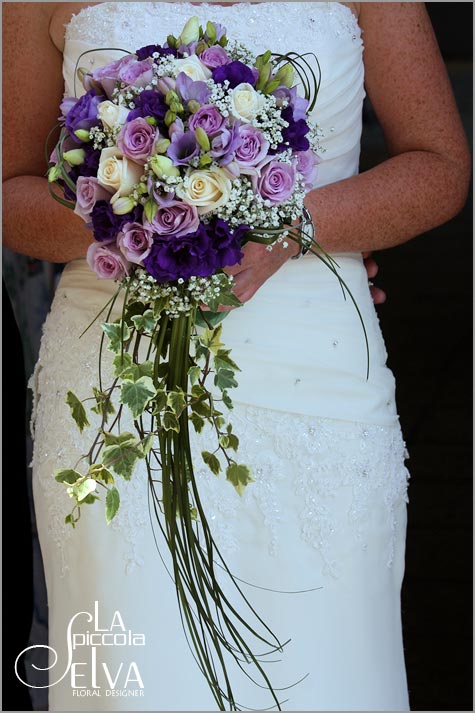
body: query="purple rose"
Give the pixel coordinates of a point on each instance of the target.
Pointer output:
(307, 165)
(276, 182)
(183, 257)
(88, 192)
(107, 261)
(135, 241)
(183, 148)
(225, 144)
(174, 219)
(189, 90)
(108, 76)
(83, 115)
(254, 147)
(214, 57)
(149, 103)
(208, 117)
(136, 140)
(106, 224)
(149, 50)
(236, 73)
(136, 73)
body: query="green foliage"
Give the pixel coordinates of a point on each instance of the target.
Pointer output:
(137, 394)
(112, 504)
(78, 411)
(211, 461)
(118, 333)
(121, 453)
(239, 476)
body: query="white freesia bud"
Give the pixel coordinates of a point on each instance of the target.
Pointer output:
(122, 205)
(112, 114)
(82, 134)
(75, 157)
(191, 32)
(162, 166)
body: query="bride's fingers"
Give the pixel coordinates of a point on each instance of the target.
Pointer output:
(378, 295)
(371, 267)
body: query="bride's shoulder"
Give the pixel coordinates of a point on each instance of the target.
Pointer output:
(60, 16)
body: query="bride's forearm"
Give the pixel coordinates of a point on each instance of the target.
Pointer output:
(36, 225)
(391, 203)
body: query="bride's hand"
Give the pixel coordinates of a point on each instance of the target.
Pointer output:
(257, 265)
(378, 295)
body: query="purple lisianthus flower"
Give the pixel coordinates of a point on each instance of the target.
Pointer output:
(294, 135)
(276, 182)
(149, 103)
(135, 242)
(236, 73)
(182, 257)
(138, 74)
(66, 105)
(174, 219)
(299, 104)
(254, 147)
(148, 51)
(107, 261)
(215, 56)
(106, 224)
(183, 148)
(225, 144)
(83, 115)
(88, 192)
(307, 162)
(136, 139)
(189, 90)
(226, 242)
(208, 117)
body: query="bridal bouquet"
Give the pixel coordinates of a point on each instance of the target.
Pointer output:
(176, 157)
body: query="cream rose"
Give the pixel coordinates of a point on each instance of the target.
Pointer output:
(206, 189)
(246, 102)
(111, 114)
(117, 173)
(193, 67)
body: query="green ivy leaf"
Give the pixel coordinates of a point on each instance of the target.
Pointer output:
(67, 476)
(227, 399)
(133, 308)
(239, 476)
(194, 374)
(197, 422)
(121, 453)
(118, 334)
(222, 360)
(211, 461)
(121, 363)
(104, 406)
(170, 422)
(69, 520)
(112, 504)
(224, 298)
(98, 472)
(84, 488)
(176, 401)
(224, 379)
(211, 339)
(147, 444)
(144, 322)
(135, 371)
(78, 411)
(158, 306)
(137, 394)
(159, 402)
(90, 499)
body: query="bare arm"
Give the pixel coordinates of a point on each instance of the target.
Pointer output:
(33, 223)
(424, 183)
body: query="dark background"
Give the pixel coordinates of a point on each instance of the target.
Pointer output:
(427, 326)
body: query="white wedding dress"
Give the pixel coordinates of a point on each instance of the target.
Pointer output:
(327, 510)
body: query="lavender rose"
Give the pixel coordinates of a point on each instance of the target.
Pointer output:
(136, 139)
(137, 73)
(307, 165)
(83, 115)
(214, 57)
(254, 147)
(208, 118)
(174, 219)
(135, 242)
(108, 76)
(88, 192)
(276, 182)
(107, 261)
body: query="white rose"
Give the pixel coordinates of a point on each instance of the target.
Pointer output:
(118, 173)
(206, 189)
(193, 67)
(111, 114)
(246, 102)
